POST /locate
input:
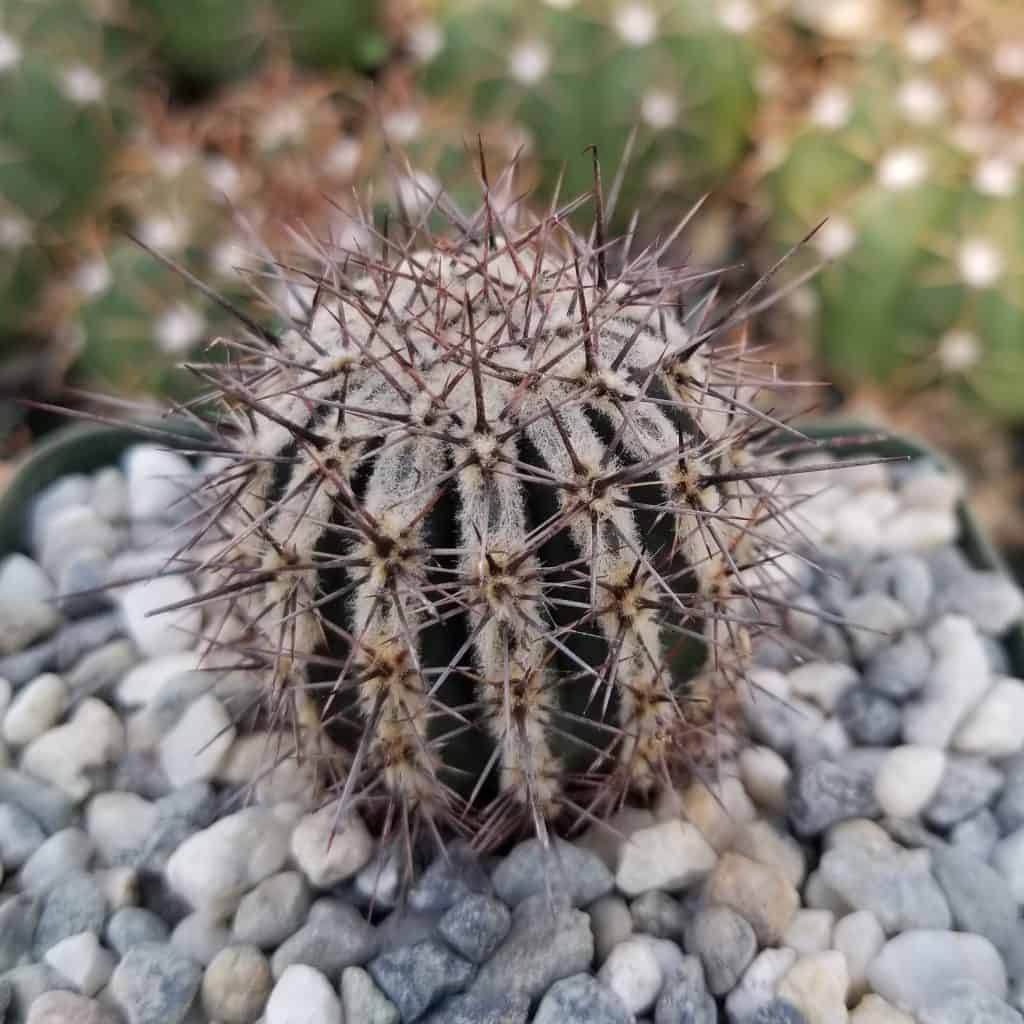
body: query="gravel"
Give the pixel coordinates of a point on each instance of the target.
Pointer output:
(142, 873)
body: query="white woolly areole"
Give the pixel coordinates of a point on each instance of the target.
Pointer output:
(402, 125)
(921, 100)
(1008, 59)
(659, 108)
(980, 262)
(82, 85)
(92, 278)
(164, 232)
(10, 52)
(924, 41)
(177, 329)
(15, 231)
(529, 61)
(835, 238)
(959, 350)
(902, 168)
(636, 23)
(831, 107)
(223, 177)
(425, 40)
(737, 16)
(996, 176)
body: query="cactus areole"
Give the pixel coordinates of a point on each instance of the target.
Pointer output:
(492, 520)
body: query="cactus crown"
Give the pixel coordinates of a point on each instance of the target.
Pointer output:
(495, 508)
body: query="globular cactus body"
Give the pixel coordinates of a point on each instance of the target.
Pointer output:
(490, 524)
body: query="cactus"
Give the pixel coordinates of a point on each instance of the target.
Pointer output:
(335, 34)
(495, 510)
(913, 154)
(573, 76)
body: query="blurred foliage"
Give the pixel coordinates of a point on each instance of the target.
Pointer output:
(217, 131)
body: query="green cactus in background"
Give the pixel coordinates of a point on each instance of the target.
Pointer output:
(913, 154)
(573, 75)
(335, 34)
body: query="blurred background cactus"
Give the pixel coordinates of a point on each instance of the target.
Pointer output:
(210, 130)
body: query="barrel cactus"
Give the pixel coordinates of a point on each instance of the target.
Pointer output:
(913, 154)
(495, 519)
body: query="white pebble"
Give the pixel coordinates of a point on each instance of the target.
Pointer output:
(919, 530)
(907, 779)
(163, 632)
(759, 983)
(156, 480)
(913, 966)
(994, 727)
(932, 490)
(83, 961)
(142, 683)
(119, 823)
(120, 886)
(194, 749)
(816, 985)
(822, 682)
(36, 708)
(92, 738)
(71, 530)
(328, 849)
(765, 775)
(21, 577)
(810, 931)
(873, 1009)
(214, 868)
(959, 677)
(633, 973)
(669, 856)
(302, 995)
(859, 937)
(717, 809)
(1008, 860)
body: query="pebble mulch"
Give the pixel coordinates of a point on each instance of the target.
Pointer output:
(861, 860)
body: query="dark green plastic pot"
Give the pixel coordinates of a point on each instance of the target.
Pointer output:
(84, 448)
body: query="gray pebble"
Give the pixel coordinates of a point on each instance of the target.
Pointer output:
(75, 904)
(948, 566)
(26, 984)
(110, 494)
(140, 771)
(448, 878)
(964, 1001)
(976, 835)
(685, 998)
(21, 578)
(899, 670)
(24, 622)
(777, 1011)
(475, 926)
(831, 644)
(102, 668)
(570, 870)
(873, 620)
(155, 984)
(416, 977)
(273, 911)
(20, 835)
(76, 639)
(658, 914)
(548, 941)
(134, 926)
(869, 718)
(979, 897)
(336, 936)
(21, 668)
(968, 784)
(69, 490)
(19, 916)
(179, 815)
(896, 885)
(200, 937)
(990, 599)
(470, 1009)
(404, 927)
(80, 584)
(725, 943)
(1009, 808)
(771, 652)
(66, 851)
(581, 997)
(824, 793)
(906, 578)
